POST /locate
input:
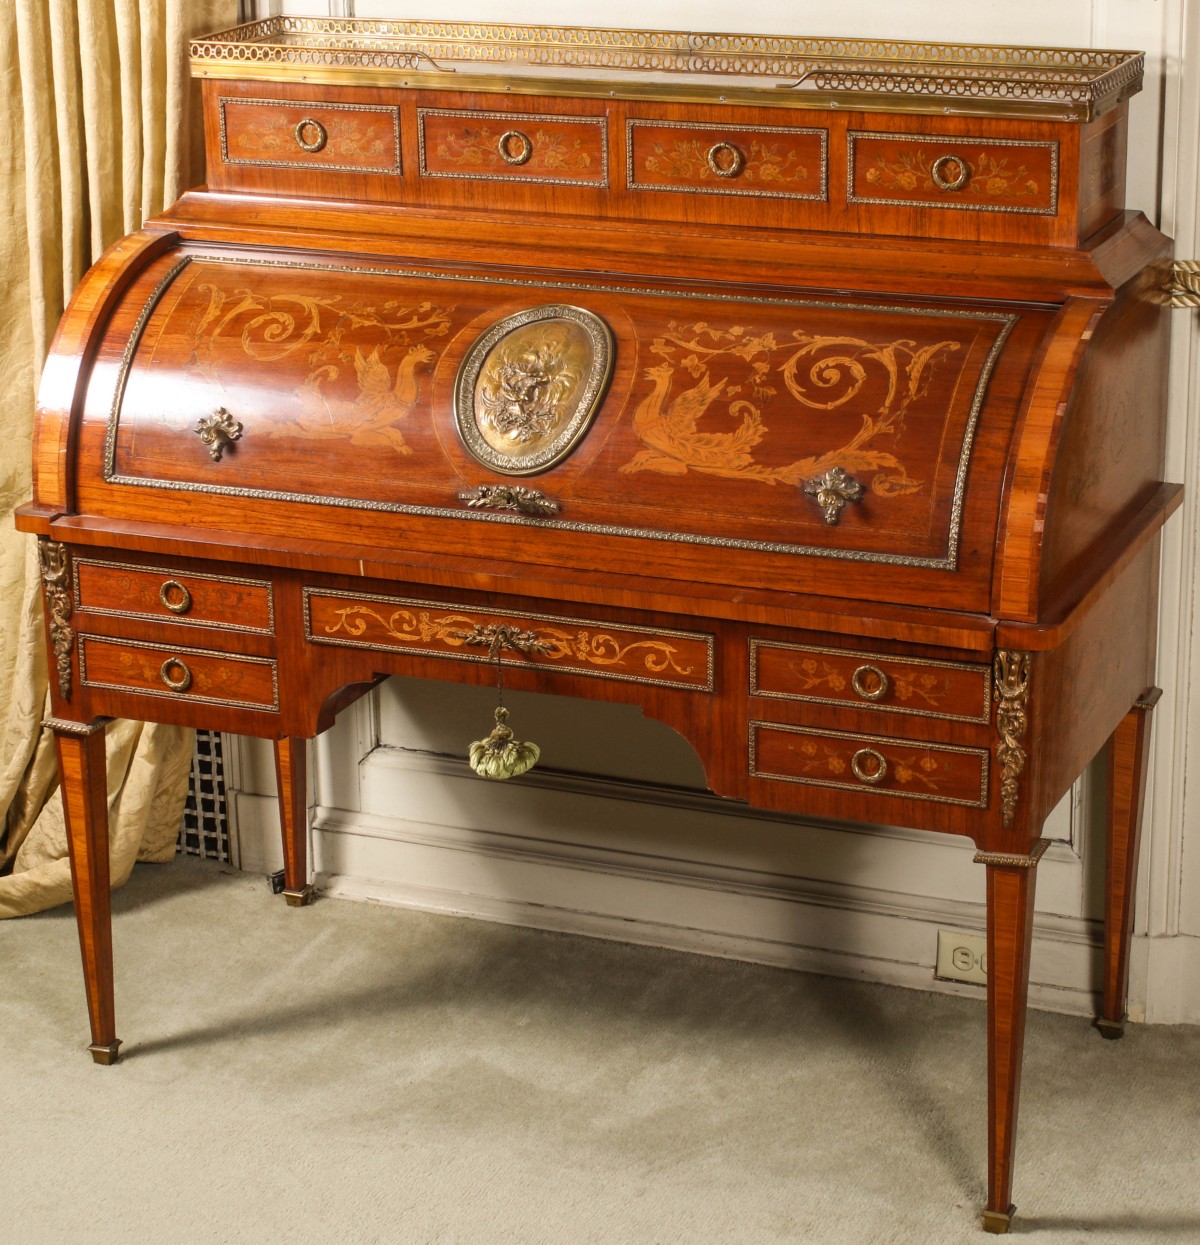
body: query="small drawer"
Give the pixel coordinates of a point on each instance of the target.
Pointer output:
(310, 134)
(953, 691)
(850, 762)
(199, 600)
(579, 645)
(953, 171)
(513, 146)
(179, 673)
(766, 162)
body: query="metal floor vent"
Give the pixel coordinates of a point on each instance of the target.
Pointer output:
(204, 831)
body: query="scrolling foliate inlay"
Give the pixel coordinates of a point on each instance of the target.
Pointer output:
(56, 569)
(456, 630)
(707, 372)
(363, 359)
(1012, 721)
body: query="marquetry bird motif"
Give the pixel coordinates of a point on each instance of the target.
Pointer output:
(675, 444)
(369, 418)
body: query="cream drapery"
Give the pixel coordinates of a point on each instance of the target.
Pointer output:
(101, 129)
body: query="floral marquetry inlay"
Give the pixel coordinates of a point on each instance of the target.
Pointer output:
(782, 162)
(500, 146)
(951, 171)
(984, 174)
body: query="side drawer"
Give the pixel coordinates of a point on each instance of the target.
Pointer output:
(956, 172)
(579, 645)
(952, 691)
(771, 162)
(310, 134)
(200, 600)
(910, 769)
(513, 146)
(181, 673)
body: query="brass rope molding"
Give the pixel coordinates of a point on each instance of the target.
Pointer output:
(1011, 859)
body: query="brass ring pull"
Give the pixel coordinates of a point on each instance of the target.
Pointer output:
(878, 774)
(514, 147)
(870, 682)
(175, 596)
(937, 171)
(317, 143)
(183, 682)
(725, 159)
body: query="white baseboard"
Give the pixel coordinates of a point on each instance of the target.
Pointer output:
(1170, 968)
(569, 853)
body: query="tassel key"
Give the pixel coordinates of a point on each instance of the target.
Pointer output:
(501, 755)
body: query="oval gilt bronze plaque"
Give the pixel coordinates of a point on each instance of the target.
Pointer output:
(529, 387)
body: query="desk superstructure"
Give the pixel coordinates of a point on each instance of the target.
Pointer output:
(807, 393)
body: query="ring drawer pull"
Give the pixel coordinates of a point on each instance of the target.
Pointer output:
(938, 168)
(316, 144)
(870, 682)
(180, 684)
(514, 147)
(175, 596)
(878, 774)
(725, 159)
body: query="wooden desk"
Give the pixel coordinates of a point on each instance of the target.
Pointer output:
(808, 395)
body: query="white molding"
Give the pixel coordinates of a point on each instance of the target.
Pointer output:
(561, 871)
(1171, 969)
(841, 930)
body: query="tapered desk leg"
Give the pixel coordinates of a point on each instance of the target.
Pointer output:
(1126, 794)
(85, 805)
(1010, 887)
(290, 772)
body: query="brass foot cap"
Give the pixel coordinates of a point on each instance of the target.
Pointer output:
(297, 899)
(106, 1055)
(1111, 1029)
(998, 1221)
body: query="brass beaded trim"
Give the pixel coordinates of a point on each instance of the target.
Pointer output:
(554, 619)
(322, 165)
(982, 754)
(132, 690)
(949, 562)
(958, 140)
(592, 183)
(983, 717)
(1012, 860)
(232, 580)
(632, 181)
(80, 730)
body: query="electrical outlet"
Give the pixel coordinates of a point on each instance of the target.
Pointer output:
(961, 957)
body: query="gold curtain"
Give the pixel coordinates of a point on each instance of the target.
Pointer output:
(102, 129)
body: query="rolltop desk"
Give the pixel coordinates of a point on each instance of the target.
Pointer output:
(807, 393)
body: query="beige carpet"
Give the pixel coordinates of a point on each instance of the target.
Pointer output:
(351, 1073)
